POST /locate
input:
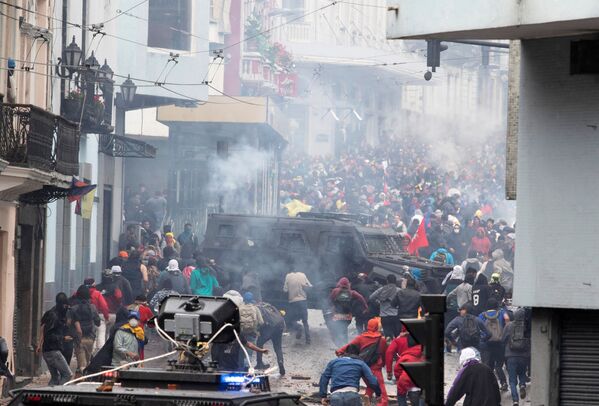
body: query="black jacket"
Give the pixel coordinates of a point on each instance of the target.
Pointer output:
(478, 383)
(407, 302)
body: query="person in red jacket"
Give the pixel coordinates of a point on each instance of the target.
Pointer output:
(344, 301)
(413, 353)
(480, 242)
(394, 350)
(372, 336)
(97, 299)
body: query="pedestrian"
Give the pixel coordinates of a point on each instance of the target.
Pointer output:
(173, 273)
(407, 301)
(112, 295)
(250, 318)
(123, 284)
(470, 329)
(342, 299)
(155, 209)
(136, 273)
(54, 334)
(372, 347)
(412, 353)
(103, 358)
(492, 351)
(97, 299)
(344, 373)
(128, 341)
(480, 242)
(295, 287)
(202, 280)
(86, 319)
(481, 292)
(388, 313)
(475, 381)
(250, 282)
(462, 294)
(365, 288)
(129, 240)
(271, 330)
(140, 305)
(516, 340)
(188, 242)
(497, 291)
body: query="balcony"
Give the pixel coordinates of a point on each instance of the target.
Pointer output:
(33, 138)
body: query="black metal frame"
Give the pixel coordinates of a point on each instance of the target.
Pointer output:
(125, 147)
(35, 138)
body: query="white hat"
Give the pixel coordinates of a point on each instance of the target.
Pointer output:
(235, 297)
(468, 354)
(116, 269)
(173, 265)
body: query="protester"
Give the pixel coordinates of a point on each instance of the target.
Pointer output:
(123, 284)
(54, 334)
(481, 292)
(188, 242)
(272, 330)
(202, 280)
(295, 285)
(173, 273)
(492, 350)
(497, 291)
(516, 340)
(86, 319)
(343, 301)
(365, 288)
(344, 374)
(250, 317)
(475, 381)
(375, 342)
(462, 294)
(388, 313)
(128, 341)
(412, 353)
(97, 299)
(113, 296)
(136, 273)
(407, 301)
(470, 329)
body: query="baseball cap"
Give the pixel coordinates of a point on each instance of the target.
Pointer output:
(116, 269)
(173, 265)
(123, 254)
(134, 314)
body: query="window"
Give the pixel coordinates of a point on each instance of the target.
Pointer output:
(292, 242)
(340, 244)
(169, 24)
(226, 230)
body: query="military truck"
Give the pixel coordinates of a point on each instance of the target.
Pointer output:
(323, 246)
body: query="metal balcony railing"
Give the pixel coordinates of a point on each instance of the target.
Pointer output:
(34, 138)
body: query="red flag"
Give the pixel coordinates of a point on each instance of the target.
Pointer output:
(419, 240)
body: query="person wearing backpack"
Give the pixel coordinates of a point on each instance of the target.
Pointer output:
(342, 299)
(372, 346)
(516, 339)
(250, 320)
(492, 350)
(470, 329)
(271, 330)
(86, 319)
(481, 292)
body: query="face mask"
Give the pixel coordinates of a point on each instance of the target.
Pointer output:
(133, 322)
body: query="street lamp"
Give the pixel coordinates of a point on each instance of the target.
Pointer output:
(71, 58)
(105, 73)
(128, 90)
(92, 63)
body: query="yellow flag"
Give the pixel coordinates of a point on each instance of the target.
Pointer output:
(87, 204)
(296, 206)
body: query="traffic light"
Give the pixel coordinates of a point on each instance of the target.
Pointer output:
(433, 53)
(428, 374)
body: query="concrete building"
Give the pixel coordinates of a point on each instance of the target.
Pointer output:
(552, 138)
(38, 156)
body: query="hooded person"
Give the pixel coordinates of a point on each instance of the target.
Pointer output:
(178, 282)
(498, 264)
(412, 353)
(368, 339)
(54, 338)
(497, 290)
(343, 301)
(516, 340)
(475, 381)
(202, 281)
(123, 284)
(481, 292)
(103, 358)
(480, 242)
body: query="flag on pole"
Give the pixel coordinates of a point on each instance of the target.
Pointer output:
(419, 240)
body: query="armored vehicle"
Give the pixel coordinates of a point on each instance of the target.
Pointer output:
(325, 247)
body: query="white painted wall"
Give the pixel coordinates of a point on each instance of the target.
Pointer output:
(557, 189)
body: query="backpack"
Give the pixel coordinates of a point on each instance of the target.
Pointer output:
(343, 301)
(494, 326)
(248, 319)
(272, 317)
(469, 332)
(518, 340)
(370, 354)
(85, 316)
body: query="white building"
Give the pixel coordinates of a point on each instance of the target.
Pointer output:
(553, 128)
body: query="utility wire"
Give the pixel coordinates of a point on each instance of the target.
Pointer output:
(120, 12)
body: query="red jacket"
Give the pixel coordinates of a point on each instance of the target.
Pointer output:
(397, 346)
(366, 339)
(97, 299)
(345, 284)
(404, 383)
